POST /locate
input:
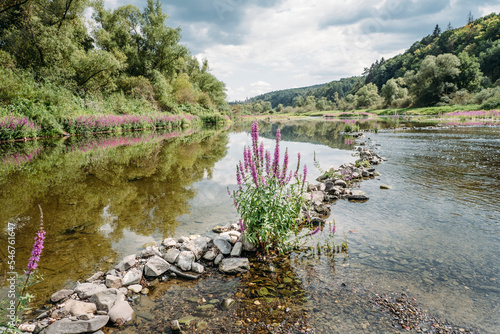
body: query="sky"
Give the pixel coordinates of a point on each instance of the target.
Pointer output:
(258, 46)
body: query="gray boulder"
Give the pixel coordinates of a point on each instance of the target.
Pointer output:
(60, 295)
(105, 300)
(197, 268)
(156, 266)
(121, 312)
(126, 263)
(77, 308)
(171, 255)
(218, 259)
(211, 254)
(133, 276)
(150, 251)
(223, 244)
(68, 326)
(234, 265)
(238, 247)
(169, 242)
(198, 246)
(113, 282)
(87, 290)
(185, 260)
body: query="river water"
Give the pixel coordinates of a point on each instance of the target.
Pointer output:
(434, 235)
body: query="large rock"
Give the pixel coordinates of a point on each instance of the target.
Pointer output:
(121, 312)
(234, 265)
(105, 300)
(223, 244)
(341, 183)
(113, 282)
(185, 260)
(68, 326)
(247, 245)
(317, 197)
(218, 259)
(156, 266)
(238, 247)
(126, 263)
(171, 255)
(169, 242)
(77, 308)
(211, 254)
(197, 268)
(150, 251)
(198, 246)
(87, 290)
(60, 295)
(97, 276)
(133, 276)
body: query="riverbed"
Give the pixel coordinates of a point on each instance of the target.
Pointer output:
(433, 235)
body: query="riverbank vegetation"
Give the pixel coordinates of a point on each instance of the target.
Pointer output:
(57, 66)
(457, 69)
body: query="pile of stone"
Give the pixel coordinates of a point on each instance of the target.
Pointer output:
(104, 297)
(337, 183)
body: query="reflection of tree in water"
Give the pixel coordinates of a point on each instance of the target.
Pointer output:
(145, 186)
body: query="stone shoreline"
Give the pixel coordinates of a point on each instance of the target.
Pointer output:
(105, 298)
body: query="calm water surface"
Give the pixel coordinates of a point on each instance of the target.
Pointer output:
(434, 235)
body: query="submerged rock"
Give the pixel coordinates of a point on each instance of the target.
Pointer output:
(60, 295)
(68, 326)
(234, 265)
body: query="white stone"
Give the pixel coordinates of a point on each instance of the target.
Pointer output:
(171, 255)
(197, 268)
(169, 242)
(135, 288)
(126, 263)
(156, 266)
(185, 260)
(76, 307)
(87, 290)
(113, 282)
(133, 276)
(121, 311)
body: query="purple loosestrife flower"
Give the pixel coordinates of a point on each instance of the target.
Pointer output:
(305, 174)
(255, 140)
(241, 225)
(268, 162)
(334, 228)
(261, 154)
(253, 169)
(36, 252)
(276, 161)
(285, 166)
(315, 231)
(238, 176)
(298, 164)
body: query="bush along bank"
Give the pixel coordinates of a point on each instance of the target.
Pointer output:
(16, 127)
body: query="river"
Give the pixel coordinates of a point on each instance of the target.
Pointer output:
(434, 235)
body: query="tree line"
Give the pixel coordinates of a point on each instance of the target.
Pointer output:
(123, 60)
(458, 66)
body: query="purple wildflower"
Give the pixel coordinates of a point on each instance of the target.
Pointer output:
(315, 231)
(36, 252)
(334, 228)
(268, 162)
(276, 161)
(241, 225)
(285, 166)
(305, 174)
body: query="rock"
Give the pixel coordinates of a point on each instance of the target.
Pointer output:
(169, 242)
(358, 198)
(175, 326)
(223, 245)
(86, 316)
(135, 288)
(60, 295)
(150, 244)
(171, 255)
(198, 246)
(340, 183)
(126, 263)
(218, 259)
(121, 312)
(228, 303)
(247, 245)
(234, 265)
(221, 229)
(113, 282)
(150, 251)
(27, 327)
(133, 276)
(183, 240)
(76, 307)
(316, 221)
(329, 185)
(97, 276)
(67, 326)
(87, 290)
(229, 236)
(321, 187)
(177, 272)
(114, 272)
(156, 266)
(105, 300)
(197, 268)
(211, 254)
(185, 260)
(384, 186)
(186, 320)
(317, 197)
(238, 247)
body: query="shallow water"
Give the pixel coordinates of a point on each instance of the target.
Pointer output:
(434, 235)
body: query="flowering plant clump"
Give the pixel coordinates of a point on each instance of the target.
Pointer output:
(269, 197)
(15, 127)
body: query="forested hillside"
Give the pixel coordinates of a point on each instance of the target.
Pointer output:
(56, 63)
(452, 67)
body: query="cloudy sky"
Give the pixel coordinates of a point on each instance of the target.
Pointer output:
(257, 46)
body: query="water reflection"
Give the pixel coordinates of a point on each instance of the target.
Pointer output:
(96, 192)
